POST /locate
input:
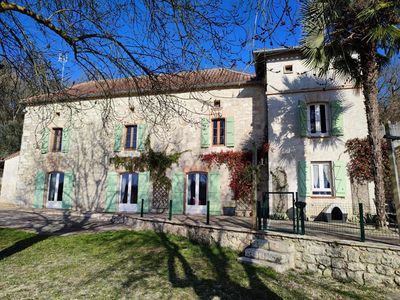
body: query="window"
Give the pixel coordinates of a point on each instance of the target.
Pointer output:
(129, 188)
(321, 178)
(55, 192)
(131, 137)
(219, 132)
(197, 189)
(217, 103)
(57, 139)
(317, 119)
(287, 69)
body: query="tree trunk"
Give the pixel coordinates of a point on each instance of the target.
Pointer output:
(370, 73)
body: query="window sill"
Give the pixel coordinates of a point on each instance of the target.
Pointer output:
(319, 136)
(322, 196)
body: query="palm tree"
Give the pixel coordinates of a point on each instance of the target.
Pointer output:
(355, 37)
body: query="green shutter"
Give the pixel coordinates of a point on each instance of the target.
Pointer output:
(143, 191)
(141, 136)
(340, 178)
(303, 178)
(178, 186)
(230, 132)
(336, 118)
(214, 193)
(45, 140)
(302, 107)
(112, 192)
(205, 133)
(39, 189)
(68, 190)
(65, 140)
(118, 138)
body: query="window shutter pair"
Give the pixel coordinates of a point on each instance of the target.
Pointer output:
(336, 113)
(229, 132)
(40, 186)
(46, 140)
(112, 191)
(141, 136)
(304, 178)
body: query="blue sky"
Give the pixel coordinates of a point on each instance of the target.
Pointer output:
(255, 15)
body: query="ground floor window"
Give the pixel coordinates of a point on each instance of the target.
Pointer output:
(129, 192)
(321, 178)
(196, 192)
(55, 192)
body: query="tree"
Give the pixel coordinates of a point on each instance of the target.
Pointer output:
(355, 37)
(389, 93)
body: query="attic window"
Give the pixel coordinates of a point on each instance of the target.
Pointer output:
(217, 103)
(288, 69)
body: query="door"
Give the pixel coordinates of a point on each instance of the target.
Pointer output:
(129, 192)
(196, 195)
(55, 192)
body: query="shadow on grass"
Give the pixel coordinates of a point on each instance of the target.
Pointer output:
(22, 245)
(223, 286)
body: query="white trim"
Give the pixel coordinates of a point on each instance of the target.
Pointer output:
(321, 189)
(54, 203)
(196, 208)
(127, 207)
(318, 132)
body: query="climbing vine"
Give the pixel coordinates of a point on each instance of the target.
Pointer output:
(241, 170)
(360, 166)
(156, 162)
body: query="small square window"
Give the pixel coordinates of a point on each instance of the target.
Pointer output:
(131, 137)
(321, 178)
(57, 140)
(217, 103)
(287, 69)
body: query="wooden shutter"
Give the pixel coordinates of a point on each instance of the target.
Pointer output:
(336, 118)
(205, 133)
(230, 132)
(39, 189)
(178, 186)
(303, 126)
(143, 191)
(65, 140)
(112, 192)
(45, 140)
(141, 136)
(67, 197)
(118, 138)
(303, 178)
(214, 193)
(340, 178)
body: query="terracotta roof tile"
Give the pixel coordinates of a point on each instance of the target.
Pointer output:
(179, 82)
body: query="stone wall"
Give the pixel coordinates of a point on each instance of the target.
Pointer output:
(363, 263)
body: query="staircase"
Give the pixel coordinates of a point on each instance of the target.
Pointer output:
(278, 255)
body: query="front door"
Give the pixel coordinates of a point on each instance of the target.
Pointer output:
(196, 202)
(129, 192)
(55, 192)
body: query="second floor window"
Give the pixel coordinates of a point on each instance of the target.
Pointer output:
(131, 137)
(317, 119)
(57, 139)
(219, 132)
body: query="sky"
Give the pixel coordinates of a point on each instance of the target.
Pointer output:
(256, 17)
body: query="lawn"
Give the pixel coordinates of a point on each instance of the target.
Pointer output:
(146, 265)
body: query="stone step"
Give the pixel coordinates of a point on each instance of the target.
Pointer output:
(280, 268)
(267, 255)
(276, 246)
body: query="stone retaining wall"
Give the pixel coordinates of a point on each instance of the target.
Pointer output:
(363, 263)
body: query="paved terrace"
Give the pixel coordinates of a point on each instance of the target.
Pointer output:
(46, 221)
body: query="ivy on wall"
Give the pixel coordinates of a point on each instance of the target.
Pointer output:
(360, 167)
(156, 162)
(241, 170)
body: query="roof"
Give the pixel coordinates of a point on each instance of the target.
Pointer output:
(146, 85)
(261, 55)
(15, 154)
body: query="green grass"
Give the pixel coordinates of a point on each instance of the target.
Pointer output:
(126, 264)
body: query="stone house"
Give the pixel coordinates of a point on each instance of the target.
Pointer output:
(69, 141)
